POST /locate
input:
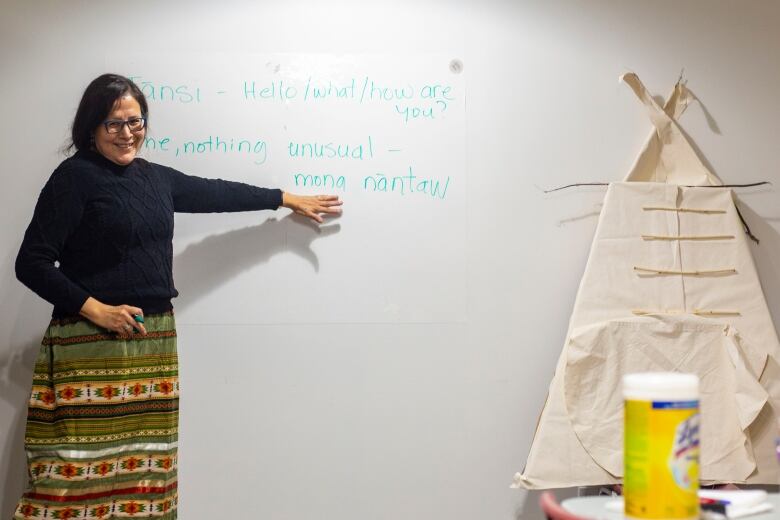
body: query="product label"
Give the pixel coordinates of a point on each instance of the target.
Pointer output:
(661, 459)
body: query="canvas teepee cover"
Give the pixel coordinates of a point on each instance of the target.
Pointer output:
(670, 285)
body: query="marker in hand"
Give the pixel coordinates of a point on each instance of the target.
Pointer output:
(138, 318)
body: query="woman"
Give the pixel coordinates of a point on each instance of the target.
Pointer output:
(102, 422)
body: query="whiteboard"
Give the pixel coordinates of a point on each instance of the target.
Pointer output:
(384, 132)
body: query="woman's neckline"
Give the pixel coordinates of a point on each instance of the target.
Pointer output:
(102, 160)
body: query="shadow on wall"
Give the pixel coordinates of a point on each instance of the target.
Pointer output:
(766, 256)
(26, 317)
(204, 266)
(15, 390)
(199, 269)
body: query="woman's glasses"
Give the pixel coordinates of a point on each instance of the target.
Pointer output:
(134, 124)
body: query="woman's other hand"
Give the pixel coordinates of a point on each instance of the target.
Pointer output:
(312, 206)
(119, 318)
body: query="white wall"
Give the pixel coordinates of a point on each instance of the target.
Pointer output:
(401, 420)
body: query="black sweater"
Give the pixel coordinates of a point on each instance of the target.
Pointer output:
(110, 229)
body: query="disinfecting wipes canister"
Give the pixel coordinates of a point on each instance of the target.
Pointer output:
(661, 446)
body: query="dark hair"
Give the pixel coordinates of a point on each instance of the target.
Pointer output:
(97, 102)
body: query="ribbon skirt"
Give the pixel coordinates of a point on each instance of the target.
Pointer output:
(102, 423)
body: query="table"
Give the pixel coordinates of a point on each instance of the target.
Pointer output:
(593, 507)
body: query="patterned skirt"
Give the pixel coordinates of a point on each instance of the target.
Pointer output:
(102, 424)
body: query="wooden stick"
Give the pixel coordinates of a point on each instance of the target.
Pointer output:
(644, 312)
(575, 185)
(719, 312)
(697, 312)
(687, 237)
(750, 185)
(753, 237)
(684, 210)
(689, 273)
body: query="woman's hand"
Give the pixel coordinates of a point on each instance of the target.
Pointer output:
(116, 318)
(312, 206)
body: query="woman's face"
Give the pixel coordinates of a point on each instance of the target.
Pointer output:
(122, 146)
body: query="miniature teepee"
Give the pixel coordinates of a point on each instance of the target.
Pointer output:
(670, 285)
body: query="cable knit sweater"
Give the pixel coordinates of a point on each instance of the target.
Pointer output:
(104, 230)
